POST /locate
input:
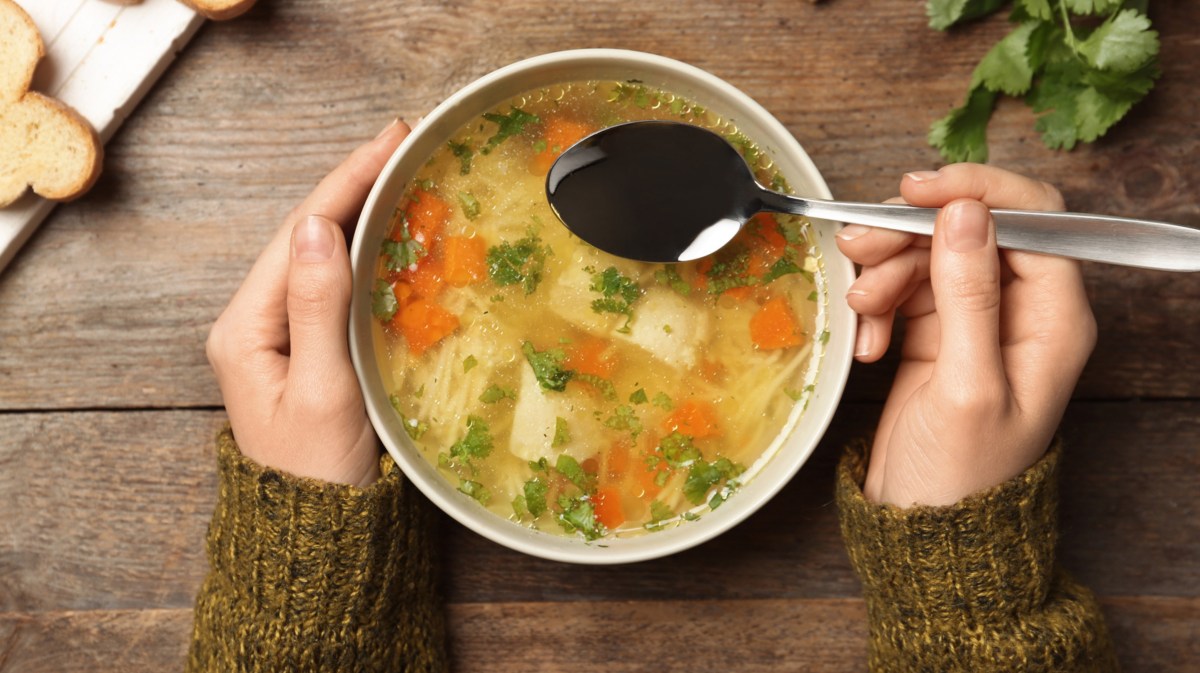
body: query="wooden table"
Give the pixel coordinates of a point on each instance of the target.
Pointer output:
(108, 407)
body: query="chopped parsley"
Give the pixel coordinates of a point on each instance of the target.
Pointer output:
(521, 262)
(383, 301)
(704, 475)
(547, 367)
(669, 276)
(470, 205)
(639, 397)
(469, 363)
(535, 496)
(623, 418)
(562, 433)
(570, 468)
(475, 490)
(579, 515)
(678, 450)
(495, 393)
(782, 267)
(618, 294)
(464, 153)
(606, 388)
(508, 125)
(730, 273)
(663, 401)
(477, 443)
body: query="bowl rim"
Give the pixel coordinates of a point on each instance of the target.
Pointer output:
(835, 366)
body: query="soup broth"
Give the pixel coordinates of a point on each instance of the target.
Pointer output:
(567, 389)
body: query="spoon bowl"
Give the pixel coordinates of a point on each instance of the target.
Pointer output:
(662, 191)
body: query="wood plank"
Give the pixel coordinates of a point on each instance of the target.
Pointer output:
(104, 510)
(823, 636)
(110, 305)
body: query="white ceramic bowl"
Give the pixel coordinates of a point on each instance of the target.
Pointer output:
(790, 450)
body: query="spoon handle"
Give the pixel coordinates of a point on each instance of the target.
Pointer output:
(1098, 238)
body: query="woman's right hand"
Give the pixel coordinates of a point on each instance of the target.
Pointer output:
(994, 340)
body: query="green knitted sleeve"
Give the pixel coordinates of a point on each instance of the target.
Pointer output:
(972, 586)
(309, 576)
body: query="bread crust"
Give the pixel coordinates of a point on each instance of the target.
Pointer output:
(44, 144)
(220, 10)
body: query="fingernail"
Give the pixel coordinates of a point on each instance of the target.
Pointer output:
(387, 128)
(966, 225)
(312, 240)
(923, 176)
(853, 231)
(862, 346)
(852, 292)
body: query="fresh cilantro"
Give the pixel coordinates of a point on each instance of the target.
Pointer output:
(746, 146)
(414, 428)
(464, 153)
(639, 397)
(704, 475)
(678, 450)
(570, 468)
(383, 301)
(579, 515)
(659, 513)
(730, 272)
(663, 401)
(521, 262)
(547, 367)
(782, 267)
(607, 390)
(793, 393)
(623, 418)
(1080, 64)
(470, 205)
(403, 253)
(475, 490)
(495, 393)
(477, 443)
(667, 329)
(562, 433)
(669, 276)
(618, 294)
(469, 363)
(535, 496)
(540, 465)
(508, 126)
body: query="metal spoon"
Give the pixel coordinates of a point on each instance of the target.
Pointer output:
(661, 191)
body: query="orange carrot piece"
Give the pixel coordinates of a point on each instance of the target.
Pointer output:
(465, 260)
(773, 326)
(424, 323)
(607, 506)
(427, 279)
(695, 418)
(560, 133)
(426, 215)
(591, 356)
(616, 463)
(739, 293)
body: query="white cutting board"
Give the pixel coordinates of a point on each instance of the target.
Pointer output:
(101, 58)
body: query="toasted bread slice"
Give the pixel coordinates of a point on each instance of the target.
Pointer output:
(220, 9)
(43, 143)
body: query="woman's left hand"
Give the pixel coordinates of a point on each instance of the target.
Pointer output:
(280, 349)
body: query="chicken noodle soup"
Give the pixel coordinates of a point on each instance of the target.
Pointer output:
(567, 389)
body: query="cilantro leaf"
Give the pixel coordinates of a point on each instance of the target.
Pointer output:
(383, 301)
(562, 432)
(475, 490)
(568, 467)
(1006, 67)
(477, 443)
(547, 367)
(414, 428)
(508, 126)
(404, 253)
(945, 13)
(535, 496)
(623, 418)
(495, 393)
(639, 397)
(470, 205)
(1036, 9)
(464, 153)
(619, 293)
(1123, 43)
(521, 262)
(579, 515)
(1091, 6)
(962, 134)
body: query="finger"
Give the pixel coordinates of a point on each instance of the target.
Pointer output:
(994, 187)
(965, 275)
(871, 245)
(260, 302)
(318, 306)
(882, 288)
(874, 336)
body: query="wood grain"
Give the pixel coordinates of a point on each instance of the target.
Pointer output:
(107, 404)
(259, 109)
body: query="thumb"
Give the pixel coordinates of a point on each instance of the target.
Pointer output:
(965, 275)
(318, 303)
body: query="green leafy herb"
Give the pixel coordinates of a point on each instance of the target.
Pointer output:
(570, 468)
(495, 393)
(703, 476)
(793, 393)
(1080, 64)
(730, 272)
(469, 363)
(477, 443)
(508, 125)
(383, 301)
(535, 496)
(678, 450)
(579, 515)
(562, 433)
(547, 367)
(475, 490)
(623, 418)
(746, 146)
(658, 514)
(782, 267)
(414, 428)
(470, 205)
(618, 294)
(405, 252)
(464, 153)
(606, 388)
(669, 276)
(539, 146)
(639, 397)
(540, 465)
(663, 401)
(521, 262)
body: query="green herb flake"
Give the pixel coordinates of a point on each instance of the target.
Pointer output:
(521, 262)
(667, 329)
(663, 401)
(623, 418)
(413, 427)
(403, 253)
(618, 294)
(823, 337)
(669, 276)
(547, 367)
(508, 126)
(383, 301)
(540, 465)
(474, 489)
(579, 515)
(420, 392)
(703, 476)
(470, 205)
(495, 393)
(659, 513)
(539, 146)
(793, 393)
(782, 267)
(639, 397)
(469, 363)
(607, 390)
(812, 296)
(562, 433)
(464, 153)
(535, 496)
(477, 443)
(678, 450)
(570, 468)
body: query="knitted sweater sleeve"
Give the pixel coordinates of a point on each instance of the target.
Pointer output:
(309, 576)
(972, 586)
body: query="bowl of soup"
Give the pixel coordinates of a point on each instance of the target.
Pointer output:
(564, 402)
